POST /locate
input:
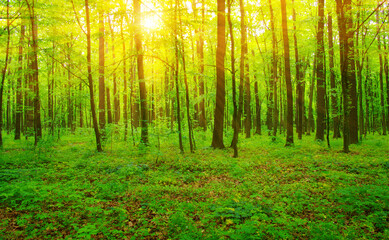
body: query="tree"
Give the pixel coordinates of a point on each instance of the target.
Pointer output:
(288, 80)
(334, 97)
(35, 73)
(90, 80)
(299, 92)
(141, 76)
(381, 73)
(235, 120)
(343, 8)
(217, 139)
(273, 81)
(244, 71)
(102, 115)
(3, 75)
(19, 100)
(320, 86)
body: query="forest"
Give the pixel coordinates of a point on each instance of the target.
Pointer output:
(197, 119)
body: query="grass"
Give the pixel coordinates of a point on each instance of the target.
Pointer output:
(66, 189)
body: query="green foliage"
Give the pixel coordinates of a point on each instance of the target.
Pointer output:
(67, 189)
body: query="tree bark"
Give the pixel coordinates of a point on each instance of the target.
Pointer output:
(343, 11)
(102, 114)
(35, 74)
(244, 71)
(334, 93)
(217, 139)
(299, 108)
(200, 52)
(3, 76)
(116, 97)
(125, 90)
(19, 100)
(141, 77)
(381, 73)
(320, 86)
(310, 121)
(90, 80)
(190, 131)
(235, 121)
(288, 80)
(273, 81)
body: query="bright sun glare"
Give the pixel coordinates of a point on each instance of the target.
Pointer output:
(151, 19)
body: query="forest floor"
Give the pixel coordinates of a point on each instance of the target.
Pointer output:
(65, 189)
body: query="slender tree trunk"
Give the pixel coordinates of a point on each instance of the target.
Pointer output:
(244, 72)
(90, 80)
(359, 61)
(382, 92)
(334, 93)
(200, 52)
(310, 121)
(125, 90)
(19, 100)
(273, 81)
(102, 89)
(176, 77)
(235, 121)
(191, 138)
(299, 108)
(288, 80)
(3, 76)
(141, 77)
(50, 99)
(80, 101)
(386, 67)
(70, 109)
(116, 101)
(258, 127)
(320, 97)
(109, 105)
(353, 121)
(217, 139)
(35, 74)
(343, 11)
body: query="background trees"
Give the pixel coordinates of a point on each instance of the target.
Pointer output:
(169, 50)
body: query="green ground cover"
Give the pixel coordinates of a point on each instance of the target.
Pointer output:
(67, 190)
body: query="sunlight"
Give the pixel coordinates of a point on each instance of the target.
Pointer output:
(151, 19)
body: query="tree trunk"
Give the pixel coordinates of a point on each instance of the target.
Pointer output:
(19, 100)
(200, 52)
(386, 67)
(244, 71)
(310, 121)
(217, 139)
(382, 92)
(334, 93)
(320, 97)
(125, 91)
(90, 80)
(235, 121)
(288, 80)
(273, 81)
(116, 101)
(141, 77)
(3, 76)
(191, 138)
(299, 108)
(35, 74)
(102, 89)
(344, 11)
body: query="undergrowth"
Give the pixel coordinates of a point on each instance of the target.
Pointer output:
(65, 189)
